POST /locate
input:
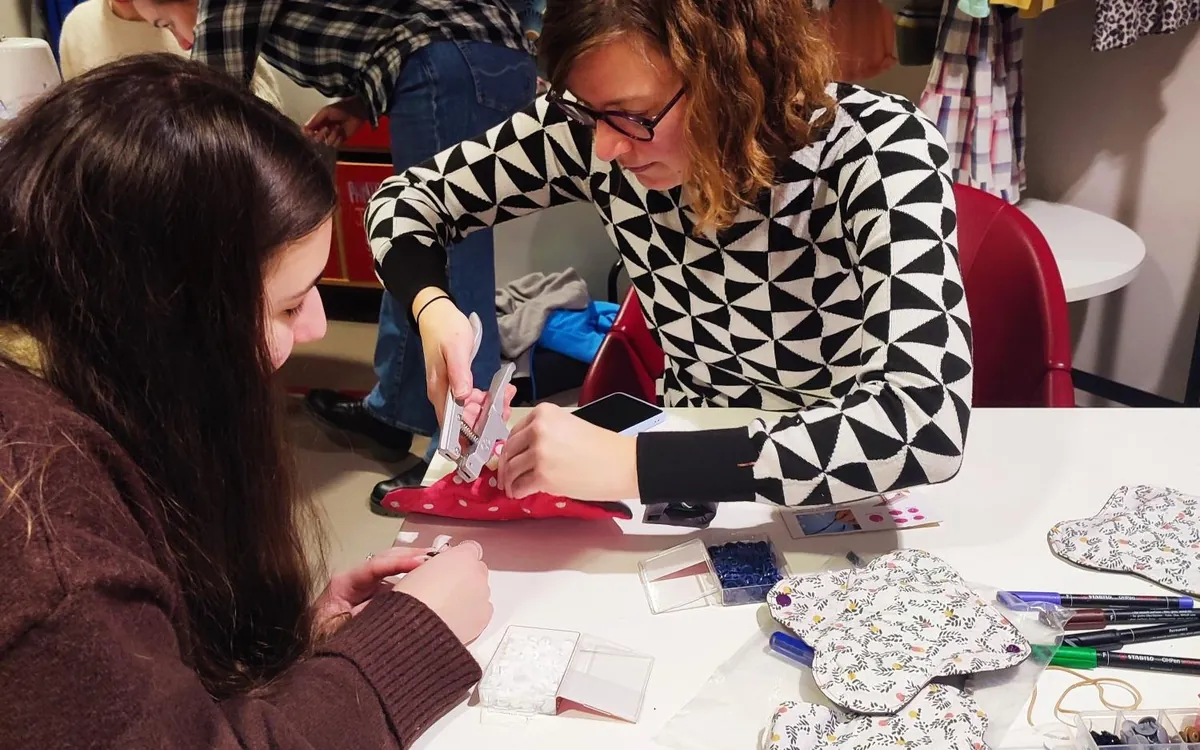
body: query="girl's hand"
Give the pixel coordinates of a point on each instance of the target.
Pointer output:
(348, 592)
(556, 452)
(455, 586)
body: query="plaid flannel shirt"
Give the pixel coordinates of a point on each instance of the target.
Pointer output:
(344, 49)
(975, 94)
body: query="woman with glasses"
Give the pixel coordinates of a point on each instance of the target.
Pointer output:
(791, 240)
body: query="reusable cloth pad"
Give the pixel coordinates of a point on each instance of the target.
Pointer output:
(883, 631)
(939, 717)
(1153, 532)
(483, 500)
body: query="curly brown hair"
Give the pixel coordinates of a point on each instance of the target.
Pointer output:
(756, 73)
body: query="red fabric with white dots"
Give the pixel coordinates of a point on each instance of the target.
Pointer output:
(482, 500)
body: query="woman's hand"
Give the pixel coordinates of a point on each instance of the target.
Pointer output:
(454, 584)
(447, 340)
(556, 452)
(347, 593)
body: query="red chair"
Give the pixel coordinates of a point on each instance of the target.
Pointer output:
(628, 361)
(1022, 346)
(1018, 308)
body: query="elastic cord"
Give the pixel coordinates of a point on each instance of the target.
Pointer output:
(1084, 681)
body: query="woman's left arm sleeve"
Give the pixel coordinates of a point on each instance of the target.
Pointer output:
(904, 422)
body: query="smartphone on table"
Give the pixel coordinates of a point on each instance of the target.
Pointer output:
(622, 413)
(628, 415)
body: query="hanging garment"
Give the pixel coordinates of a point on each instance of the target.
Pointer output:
(864, 36)
(1036, 8)
(976, 8)
(975, 94)
(1028, 8)
(1120, 23)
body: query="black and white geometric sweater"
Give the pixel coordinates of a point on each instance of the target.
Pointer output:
(836, 300)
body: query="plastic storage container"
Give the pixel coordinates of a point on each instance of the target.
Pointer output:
(1171, 721)
(534, 669)
(685, 576)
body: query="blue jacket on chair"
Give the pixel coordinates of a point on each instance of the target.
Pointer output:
(577, 333)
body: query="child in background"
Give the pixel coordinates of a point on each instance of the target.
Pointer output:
(100, 31)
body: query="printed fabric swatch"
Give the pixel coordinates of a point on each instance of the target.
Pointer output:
(483, 500)
(940, 716)
(1153, 532)
(1120, 23)
(883, 631)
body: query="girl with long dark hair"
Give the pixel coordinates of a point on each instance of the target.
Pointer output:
(161, 234)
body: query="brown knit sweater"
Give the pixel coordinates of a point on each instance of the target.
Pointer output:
(91, 629)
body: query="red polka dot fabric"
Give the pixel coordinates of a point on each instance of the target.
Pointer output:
(482, 500)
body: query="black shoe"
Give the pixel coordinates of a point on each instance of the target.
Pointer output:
(347, 418)
(408, 478)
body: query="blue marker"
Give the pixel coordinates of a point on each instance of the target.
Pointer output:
(793, 648)
(1088, 601)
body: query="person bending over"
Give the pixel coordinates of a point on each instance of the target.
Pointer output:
(790, 239)
(96, 32)
(442, 71)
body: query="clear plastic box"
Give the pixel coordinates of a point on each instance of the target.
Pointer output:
(685, 577)
(1171, 720)
(535, 669)
(524, 674)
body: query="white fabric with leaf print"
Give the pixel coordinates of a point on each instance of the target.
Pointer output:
(1153, 532)
(939, 717)
(883, 631)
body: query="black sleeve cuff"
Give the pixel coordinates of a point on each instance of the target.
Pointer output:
(410, 267)
(712, 466)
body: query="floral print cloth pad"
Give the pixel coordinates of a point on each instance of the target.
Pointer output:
(883, 631)
(1153, 532)
(939, 717)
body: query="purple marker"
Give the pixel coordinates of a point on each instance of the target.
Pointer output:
(1088, 601)
(792, 647)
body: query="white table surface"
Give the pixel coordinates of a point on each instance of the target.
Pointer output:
(1096, 255)
(1024, 470)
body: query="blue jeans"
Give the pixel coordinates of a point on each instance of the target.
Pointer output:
(448, 92)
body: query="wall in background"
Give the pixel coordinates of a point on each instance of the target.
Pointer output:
(1116, 132)
(14, 17)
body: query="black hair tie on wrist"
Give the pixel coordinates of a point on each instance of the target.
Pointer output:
(417, 320)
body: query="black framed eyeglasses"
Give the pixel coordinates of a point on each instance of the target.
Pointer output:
(636, 127)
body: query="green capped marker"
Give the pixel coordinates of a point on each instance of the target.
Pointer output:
(1089, 658)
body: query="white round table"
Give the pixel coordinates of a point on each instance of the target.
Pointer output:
(1096, 255)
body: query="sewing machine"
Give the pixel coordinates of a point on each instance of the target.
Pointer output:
(27, 70)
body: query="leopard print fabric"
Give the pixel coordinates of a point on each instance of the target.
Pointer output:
(1120, 23)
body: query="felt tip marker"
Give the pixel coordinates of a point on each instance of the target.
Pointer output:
(1120, 636)
(1083, 601)
(1096, 619)
(1090, 658)
(792, 647)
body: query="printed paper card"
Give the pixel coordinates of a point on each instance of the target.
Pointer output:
(897, 510)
